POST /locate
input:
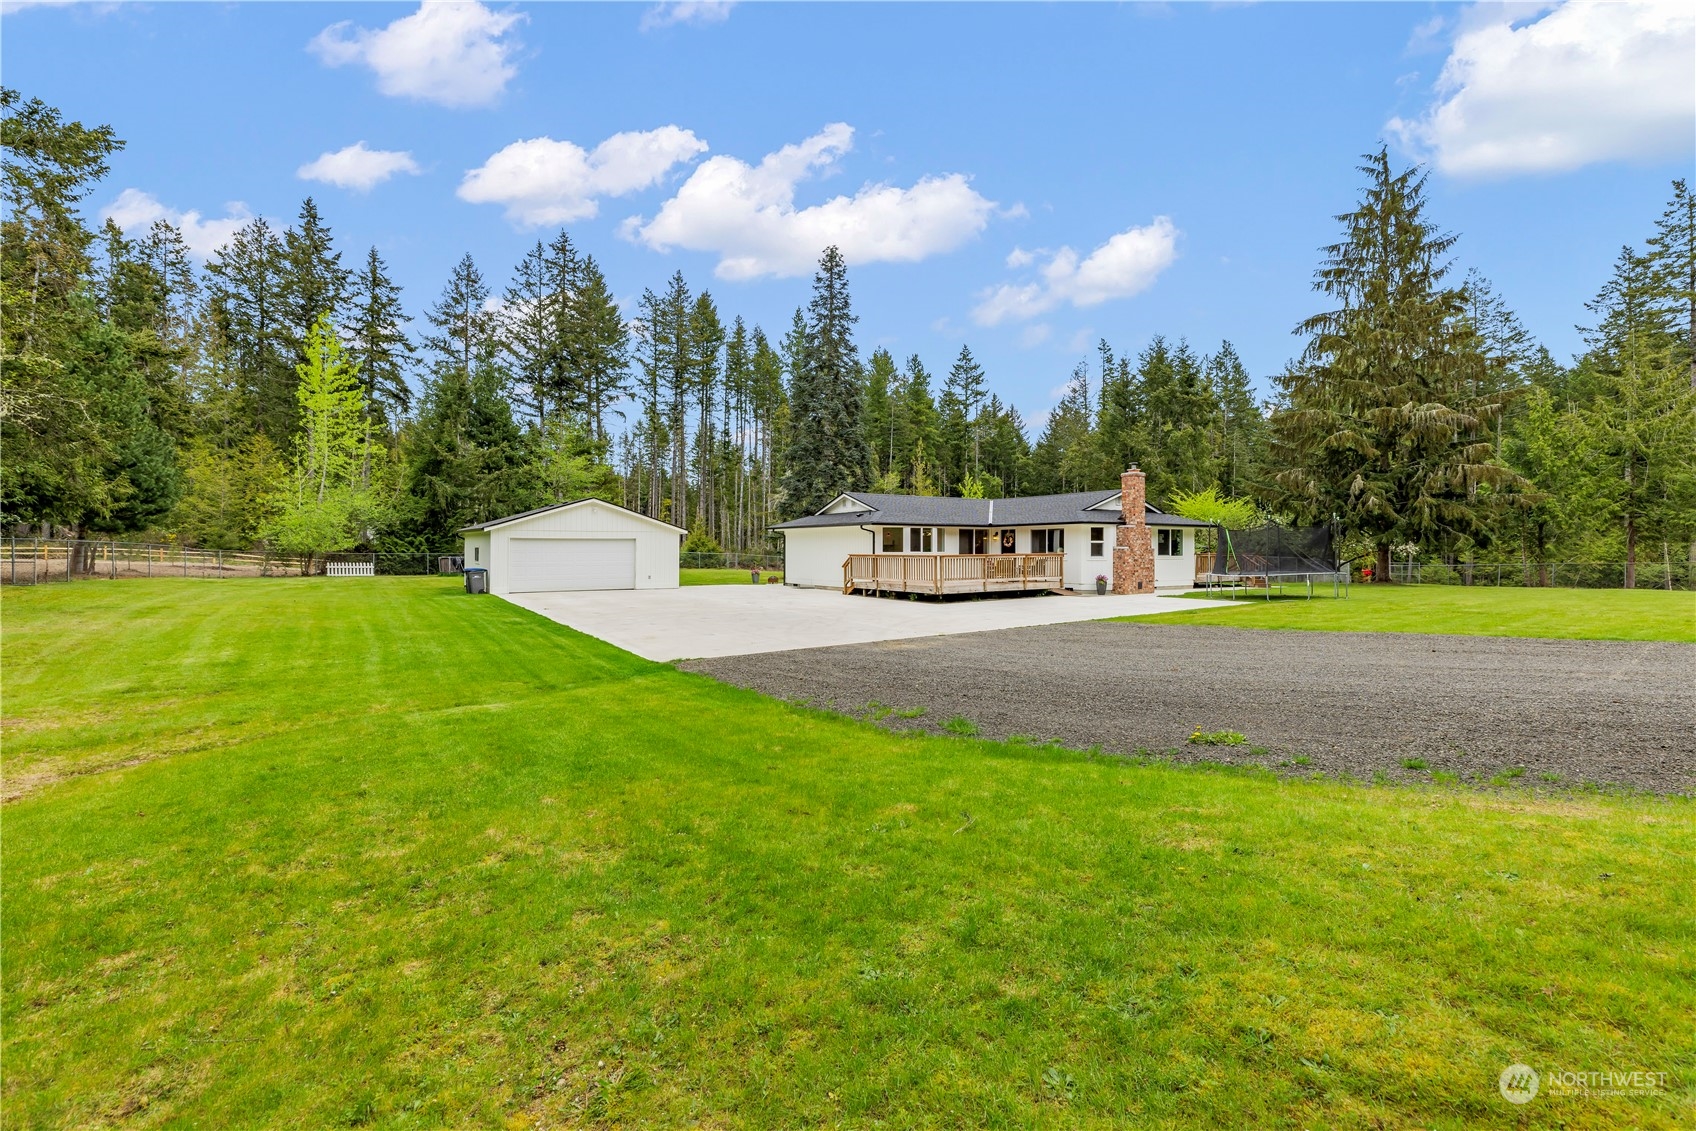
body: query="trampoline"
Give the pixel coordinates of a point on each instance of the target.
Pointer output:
(1275, 555)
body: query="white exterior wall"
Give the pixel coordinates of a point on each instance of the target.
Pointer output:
(813, 556)
(1178, 572)
(1080, 567)
(477, 550)
(657, 545)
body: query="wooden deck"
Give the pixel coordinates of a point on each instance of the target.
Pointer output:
(946, 574)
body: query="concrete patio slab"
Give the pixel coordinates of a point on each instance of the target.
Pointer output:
(700, 621)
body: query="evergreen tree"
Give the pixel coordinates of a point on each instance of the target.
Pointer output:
(1633, 416)
(314, 282)
(378, 344)
(245, 283)
(828, 450)
(84, 402)
(465, 333)
(1121, 412)
(1240, 452)
(1382, 432)
(532, 331)
(963, 394)
(1672, 256)
(1004, 449)
(1062, 460)
(1181, 416)
(918, 437)
(598, 348)
(466, 457)
(881, 390)
(706, 345)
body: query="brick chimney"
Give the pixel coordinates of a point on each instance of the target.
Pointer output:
(1133, 548)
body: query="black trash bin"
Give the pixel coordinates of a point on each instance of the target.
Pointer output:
(476, 580)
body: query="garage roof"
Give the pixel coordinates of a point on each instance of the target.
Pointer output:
(494, 522)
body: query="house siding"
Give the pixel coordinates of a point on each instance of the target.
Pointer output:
(813, 558)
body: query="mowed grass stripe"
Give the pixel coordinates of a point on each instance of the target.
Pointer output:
(1570, 614)
(583, 887)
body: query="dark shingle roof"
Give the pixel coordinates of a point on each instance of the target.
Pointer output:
(931, 510)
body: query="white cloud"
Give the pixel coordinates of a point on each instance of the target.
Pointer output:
(451, 53)
(1019, 257)
(1586, 82)
(698, 12)
(543, 181)
(358, 168)
(746, 214)
(1125, 265)
(135, 211)
(1034, 335)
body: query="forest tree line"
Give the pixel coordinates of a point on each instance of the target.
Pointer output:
(282, 394)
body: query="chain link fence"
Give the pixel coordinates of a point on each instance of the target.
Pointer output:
(1676, 574)
(33, 561)
(747, 559)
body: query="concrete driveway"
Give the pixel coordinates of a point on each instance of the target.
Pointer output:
(699, 621)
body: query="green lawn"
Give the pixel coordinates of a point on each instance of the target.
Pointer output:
(1576, 614)
(320, 853)
(724, 576)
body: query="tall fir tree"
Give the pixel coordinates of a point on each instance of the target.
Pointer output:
(828, 449)
(963, 392)
(1382, 432)
(532, 333)
(598, 349)
(249, 311)
(378, 343)
(1672, 256)
(1240, 451)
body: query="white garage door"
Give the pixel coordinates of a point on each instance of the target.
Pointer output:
(541, 565)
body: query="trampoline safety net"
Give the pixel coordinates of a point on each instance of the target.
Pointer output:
(1273, 550)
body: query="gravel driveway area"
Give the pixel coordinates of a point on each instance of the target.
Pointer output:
(1568, 711)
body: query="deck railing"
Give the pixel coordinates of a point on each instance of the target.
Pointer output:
(942, 574)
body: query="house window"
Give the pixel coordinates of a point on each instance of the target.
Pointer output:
(919, 539)
(475, 551)
(1169, 544)
(974, 541)
(1097, 541)
(892, 539)
(1051, 541)
(1009, 541)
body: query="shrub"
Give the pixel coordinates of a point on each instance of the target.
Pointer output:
(1216, 738)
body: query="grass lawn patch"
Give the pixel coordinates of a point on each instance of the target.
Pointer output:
(1573, 614)
(723, 576)
(332, 852)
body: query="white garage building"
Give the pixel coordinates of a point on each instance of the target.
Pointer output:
(588, 544)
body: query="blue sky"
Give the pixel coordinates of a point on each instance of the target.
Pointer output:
(1022, 178)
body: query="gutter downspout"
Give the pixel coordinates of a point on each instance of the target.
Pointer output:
(873, 533)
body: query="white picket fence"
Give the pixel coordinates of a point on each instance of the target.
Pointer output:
(350, 569)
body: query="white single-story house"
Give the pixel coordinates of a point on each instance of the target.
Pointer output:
(914, 543)
(586, 544)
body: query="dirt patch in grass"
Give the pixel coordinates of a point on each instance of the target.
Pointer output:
(1501, 710)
